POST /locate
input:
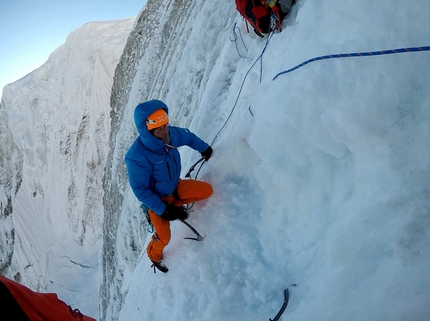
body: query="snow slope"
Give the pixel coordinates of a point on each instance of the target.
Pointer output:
(58, 118)
(321, 177)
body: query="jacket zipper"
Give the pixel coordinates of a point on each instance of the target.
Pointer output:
(174, 160)
(168, 169)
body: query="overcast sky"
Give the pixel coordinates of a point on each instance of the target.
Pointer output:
(30, 30)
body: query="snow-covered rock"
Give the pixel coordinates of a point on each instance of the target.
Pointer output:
(55, 129)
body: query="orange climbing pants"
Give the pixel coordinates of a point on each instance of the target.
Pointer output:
(187, 191)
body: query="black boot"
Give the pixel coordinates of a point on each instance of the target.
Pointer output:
(160, 266)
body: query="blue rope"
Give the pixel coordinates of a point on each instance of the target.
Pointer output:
(233, 38)
(356, 54)
(260, 57)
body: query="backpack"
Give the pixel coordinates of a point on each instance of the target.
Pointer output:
(258, 14)
(264, 16)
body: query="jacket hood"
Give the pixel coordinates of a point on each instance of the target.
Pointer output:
(141, 113)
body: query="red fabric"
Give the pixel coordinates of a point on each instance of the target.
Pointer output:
(260, 11)
(41, 306)
(258, 14)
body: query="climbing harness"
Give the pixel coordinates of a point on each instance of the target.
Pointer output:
(356, 54)
(150, 227)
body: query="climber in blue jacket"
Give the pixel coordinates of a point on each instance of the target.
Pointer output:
(154, 168)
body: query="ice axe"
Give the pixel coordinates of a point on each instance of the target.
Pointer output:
(194, 166)
(198, 237)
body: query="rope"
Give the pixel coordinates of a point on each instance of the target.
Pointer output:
(235, 103)
(356, 54)
(345, 55)
(241, 87)
(233, 38)
(260, 57)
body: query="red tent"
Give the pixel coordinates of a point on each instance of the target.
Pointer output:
(19, 303)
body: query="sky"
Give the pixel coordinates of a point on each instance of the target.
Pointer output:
(321, 177)
(31, 30)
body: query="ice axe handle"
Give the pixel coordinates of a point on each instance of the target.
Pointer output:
(199, 238)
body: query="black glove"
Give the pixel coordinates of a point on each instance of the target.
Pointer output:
(207, 153)
(173, 212)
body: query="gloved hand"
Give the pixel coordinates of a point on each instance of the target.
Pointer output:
(173, 212)
(207, 153)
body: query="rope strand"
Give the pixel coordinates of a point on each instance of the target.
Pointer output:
(241, 86)
(233, 38)
(235, 103)
(356, 54)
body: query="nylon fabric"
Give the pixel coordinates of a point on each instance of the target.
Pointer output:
(36, 306)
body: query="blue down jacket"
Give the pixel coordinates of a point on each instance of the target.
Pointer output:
(154, 167)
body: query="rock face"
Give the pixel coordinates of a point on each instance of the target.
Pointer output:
(10, 181)
(162, 39)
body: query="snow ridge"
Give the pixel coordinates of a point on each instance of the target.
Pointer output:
(58, 120)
